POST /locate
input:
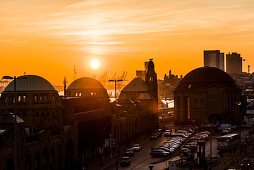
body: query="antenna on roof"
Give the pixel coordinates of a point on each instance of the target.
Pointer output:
(151, 59)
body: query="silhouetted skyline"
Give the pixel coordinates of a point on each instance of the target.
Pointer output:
(49, 38)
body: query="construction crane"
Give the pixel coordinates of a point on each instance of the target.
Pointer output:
(117, 81)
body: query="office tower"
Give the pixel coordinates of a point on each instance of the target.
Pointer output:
(214, 58)
(234, 63)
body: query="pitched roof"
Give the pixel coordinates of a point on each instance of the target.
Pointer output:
(136, 85)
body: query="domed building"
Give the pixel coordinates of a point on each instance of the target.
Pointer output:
(86, 87)
(37, 103)
(50, 138)
(207, 94)
(88, 100)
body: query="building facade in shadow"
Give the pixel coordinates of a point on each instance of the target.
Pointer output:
(207, 94)
(136, 110)
(88, 101)
(46, 137)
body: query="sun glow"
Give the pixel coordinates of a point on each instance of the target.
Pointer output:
(95, 63)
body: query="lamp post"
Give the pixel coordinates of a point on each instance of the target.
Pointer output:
(15, 116)
(115, 81)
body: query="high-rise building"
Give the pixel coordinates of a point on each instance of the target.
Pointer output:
(234, 63)
(214, 58)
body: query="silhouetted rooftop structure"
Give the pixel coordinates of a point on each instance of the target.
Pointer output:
(203, 76)
(30, 83)
(86, 86)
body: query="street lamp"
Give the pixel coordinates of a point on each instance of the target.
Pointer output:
(115, 80)
(15, 115)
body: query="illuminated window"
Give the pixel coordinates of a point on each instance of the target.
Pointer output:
(24, 99)
(91, 93)
(188, 108)
(35, 99)
(80, 94)
(76, 94)
(19, 99)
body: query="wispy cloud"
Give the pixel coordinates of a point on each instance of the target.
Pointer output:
(98, 23)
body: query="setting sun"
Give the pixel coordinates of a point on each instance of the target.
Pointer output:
(95, 63)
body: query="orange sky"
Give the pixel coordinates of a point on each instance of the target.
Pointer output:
(49, 37)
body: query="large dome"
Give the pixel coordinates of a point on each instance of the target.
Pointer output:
(206, 76)
(30, 83)
(85, 83)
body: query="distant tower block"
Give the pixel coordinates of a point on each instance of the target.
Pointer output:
(234, 63)
(248, 68)
(214, 58)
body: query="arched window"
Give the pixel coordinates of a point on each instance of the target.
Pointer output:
(24, 100)
(41, 99)
(35, 99)
(19, 99)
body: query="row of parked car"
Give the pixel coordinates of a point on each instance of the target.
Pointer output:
(201, 136)
(171, 145)
(190, 147)
(129, 152)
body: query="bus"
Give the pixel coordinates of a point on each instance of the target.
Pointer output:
(227, 142)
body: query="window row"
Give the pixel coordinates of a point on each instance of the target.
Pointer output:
(22, 99)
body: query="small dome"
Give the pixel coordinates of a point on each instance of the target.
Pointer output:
(85, 83)
(87, 86)
(30, 83)
(205, 76)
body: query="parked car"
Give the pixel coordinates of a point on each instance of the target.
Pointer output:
(153, 137)
(164, 148)
(167, 133)
(159, 153)
(226, 131)
(137, 147)
(125, 161)
(129, 152)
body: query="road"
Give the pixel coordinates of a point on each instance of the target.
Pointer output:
(142, 160)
